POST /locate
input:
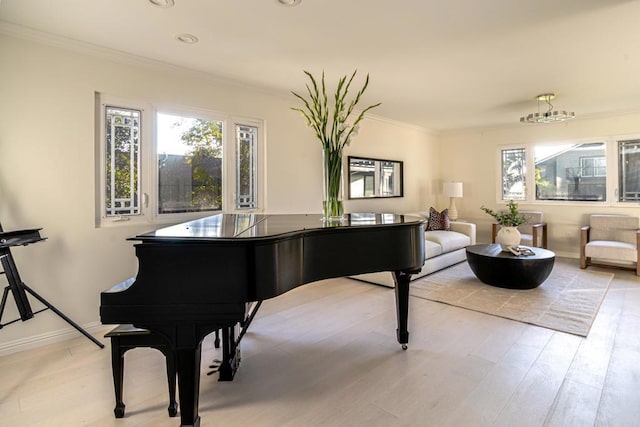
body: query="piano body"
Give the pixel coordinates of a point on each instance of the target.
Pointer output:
(198, 277)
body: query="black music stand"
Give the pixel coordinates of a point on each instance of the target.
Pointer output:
(18, 288)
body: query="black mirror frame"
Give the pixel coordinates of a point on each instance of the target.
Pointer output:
(401, 173)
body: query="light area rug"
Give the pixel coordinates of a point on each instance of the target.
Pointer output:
(568, 301)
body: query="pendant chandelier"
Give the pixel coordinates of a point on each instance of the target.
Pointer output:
(549, 116)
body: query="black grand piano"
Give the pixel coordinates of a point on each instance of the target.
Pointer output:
(198, 277)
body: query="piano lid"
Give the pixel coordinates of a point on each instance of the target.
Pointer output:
(255, 226)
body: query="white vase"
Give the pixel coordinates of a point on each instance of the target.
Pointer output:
(508, 236)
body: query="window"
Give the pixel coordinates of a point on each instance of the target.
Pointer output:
(571, 172)
(514, 169)
(122, 153)
(604, 170)
(189, 163)
(629, 170)
(593, 166)
(246, 153)
(173, 164)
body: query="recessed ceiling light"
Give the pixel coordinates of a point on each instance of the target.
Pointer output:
(163, 3)
(289, 3)
(186, 38)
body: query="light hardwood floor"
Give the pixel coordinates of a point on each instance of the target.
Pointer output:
(325, 355)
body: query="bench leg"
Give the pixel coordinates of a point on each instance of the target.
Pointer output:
(120, 343)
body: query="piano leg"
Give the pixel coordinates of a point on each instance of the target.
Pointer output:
(188, 363)
(402, 280)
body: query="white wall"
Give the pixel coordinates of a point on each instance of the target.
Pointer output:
(471, 156)
(47, 172)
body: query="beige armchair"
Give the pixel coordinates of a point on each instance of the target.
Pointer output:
(611, 240)
(532, 233)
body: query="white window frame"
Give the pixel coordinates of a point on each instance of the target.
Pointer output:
(260, 163)
(527, 181)
(612, 176)
(152, 190)
(239, 121)
(149, 164)
(617, 154)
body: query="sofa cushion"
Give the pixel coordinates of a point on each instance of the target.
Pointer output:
(438, 220)
(432, 249)
(447, 240)
(612, 250)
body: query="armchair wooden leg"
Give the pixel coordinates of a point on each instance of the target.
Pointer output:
(583, 262)
(638, 253)
(584, 239)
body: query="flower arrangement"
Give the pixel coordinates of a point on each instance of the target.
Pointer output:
(509, 218)
(334, 132)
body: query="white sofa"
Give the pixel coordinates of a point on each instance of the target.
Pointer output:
(442, 249)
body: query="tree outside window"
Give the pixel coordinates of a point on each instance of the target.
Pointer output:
(189, 164)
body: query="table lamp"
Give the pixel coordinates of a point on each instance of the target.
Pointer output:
(452, 190)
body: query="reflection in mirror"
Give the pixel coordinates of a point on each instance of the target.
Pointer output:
(374, 178)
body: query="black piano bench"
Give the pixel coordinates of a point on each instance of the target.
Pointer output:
(126, 337)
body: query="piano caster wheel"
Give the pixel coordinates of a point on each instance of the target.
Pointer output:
(173, 409)
(405, 347)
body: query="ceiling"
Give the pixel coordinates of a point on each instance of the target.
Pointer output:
(441, 65)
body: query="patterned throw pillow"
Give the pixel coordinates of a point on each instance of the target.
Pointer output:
(438, 220)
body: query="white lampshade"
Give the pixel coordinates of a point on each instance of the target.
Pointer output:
(452, 189)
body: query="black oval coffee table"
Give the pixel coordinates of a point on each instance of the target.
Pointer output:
(503, 269)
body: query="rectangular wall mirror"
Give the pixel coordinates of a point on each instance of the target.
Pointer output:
(369, 178)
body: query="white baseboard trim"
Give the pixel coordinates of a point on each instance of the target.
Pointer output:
(50, 337)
